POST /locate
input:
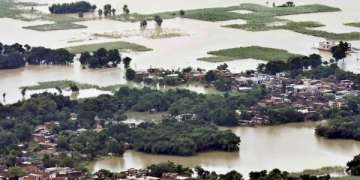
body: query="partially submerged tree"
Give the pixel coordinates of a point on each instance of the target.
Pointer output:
(158, 20)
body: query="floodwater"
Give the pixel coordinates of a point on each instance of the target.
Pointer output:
(291, 147)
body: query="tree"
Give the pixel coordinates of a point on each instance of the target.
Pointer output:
(232, 175)
(77, 7)
(23, 91)
(353, 166)
(339, 51)
(126, 10)
(74, 87)
(143, 24)
(130, 74)
(100, 12)
(84, 57)
(58, 89)
(182, 13)
(114, 57)
(127, 62)
(158, 20)
(315, 60)
(27, 47)
(107, 9)
(210, 76)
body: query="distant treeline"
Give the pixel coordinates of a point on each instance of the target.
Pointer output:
(76, 7)
(17, 55)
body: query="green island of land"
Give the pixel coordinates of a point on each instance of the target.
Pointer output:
(55, 27)
(253, 52)
(353, 24)
(265, 18)
(120, 45)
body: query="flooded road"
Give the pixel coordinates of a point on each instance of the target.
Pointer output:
(291, 147)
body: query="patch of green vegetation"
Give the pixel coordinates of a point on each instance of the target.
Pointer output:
(354, 24)
(346, 178)
(10, 9)
(55, 26)
(121, 45)
(259, 13)
(253, 52)
(299, 27)
(338, 170)
(63, 84)
(263, 16)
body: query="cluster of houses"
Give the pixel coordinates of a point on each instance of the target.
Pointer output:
(305, 95)
(169, 77)
(139, 174)
(34, 172)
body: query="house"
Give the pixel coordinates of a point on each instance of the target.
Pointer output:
(173, 176)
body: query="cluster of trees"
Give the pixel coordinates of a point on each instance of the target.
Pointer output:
(353, 166)
(108, 10)
(339, 51)
(17, 55)
(341, 127)
(17, 121)
(157, 170)
(182, 138)
(103, 58)
(343, 122)
(217, 109)
(74, 7)
(284, 115)
(293, 64)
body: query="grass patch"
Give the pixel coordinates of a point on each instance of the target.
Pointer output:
(262, 16)
(259, 13)
(346, 178)
(55, 27)
(339, 170)
(121, 45)
(10, 9)
(64, 84)
(354, 24)
(253, 52)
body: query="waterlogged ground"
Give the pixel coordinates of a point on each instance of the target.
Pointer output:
(291, 147)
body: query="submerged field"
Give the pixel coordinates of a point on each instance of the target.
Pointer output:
(252, 52)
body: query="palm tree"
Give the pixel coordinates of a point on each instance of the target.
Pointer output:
(100, 12)
(23, 92)
(143, 24)
(158, 20)
(126, 62)
(126, 10)
(58, 89)
(113, 11)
